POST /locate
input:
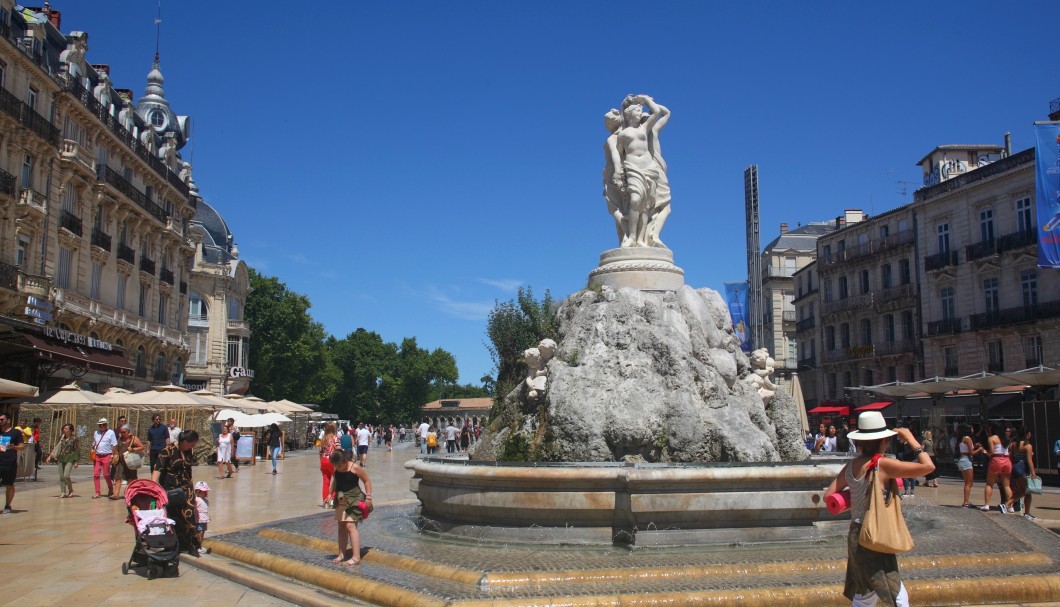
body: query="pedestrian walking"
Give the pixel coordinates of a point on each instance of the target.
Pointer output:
(225, 448)
(275, 442)
(66, 452)
(157, 438)
(103, 443)
(872, 578)
(348, 498)
(11, 442)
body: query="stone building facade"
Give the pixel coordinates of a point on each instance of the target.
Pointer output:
(96, 205)
(781, 259)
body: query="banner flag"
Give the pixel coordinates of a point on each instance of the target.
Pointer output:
(736, 298)
(1047, 197)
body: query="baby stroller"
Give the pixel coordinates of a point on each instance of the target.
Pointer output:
(157, 547)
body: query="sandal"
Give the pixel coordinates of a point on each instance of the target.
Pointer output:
(351, 562)
(96, 496)
(339, 558)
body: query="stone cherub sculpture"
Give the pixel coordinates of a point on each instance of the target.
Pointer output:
(636, 186)
(536, 375)
(763, 366)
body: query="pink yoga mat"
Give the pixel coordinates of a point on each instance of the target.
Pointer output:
(838, 502)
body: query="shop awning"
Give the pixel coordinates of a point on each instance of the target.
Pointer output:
(829, 409)
(12, 389)
(89, 358)
(877, 406)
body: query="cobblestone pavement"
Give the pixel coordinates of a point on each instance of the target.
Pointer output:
(70, 550)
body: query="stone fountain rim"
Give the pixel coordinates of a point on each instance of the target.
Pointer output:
(815, 460)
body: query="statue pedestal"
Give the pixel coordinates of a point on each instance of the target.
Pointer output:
(642, 268)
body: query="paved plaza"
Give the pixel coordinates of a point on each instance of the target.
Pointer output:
(59, 551)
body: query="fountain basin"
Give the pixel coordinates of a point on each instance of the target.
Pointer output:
(642, 504)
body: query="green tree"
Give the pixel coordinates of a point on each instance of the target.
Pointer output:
(287, 349)
(512, 327)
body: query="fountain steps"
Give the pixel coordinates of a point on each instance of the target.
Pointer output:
(424, 571)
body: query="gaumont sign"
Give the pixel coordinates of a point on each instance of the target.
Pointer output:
(235, 372)
(76, 338)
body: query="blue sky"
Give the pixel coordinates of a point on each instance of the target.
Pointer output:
(407, 164)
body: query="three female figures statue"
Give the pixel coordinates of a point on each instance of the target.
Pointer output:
(635, 183)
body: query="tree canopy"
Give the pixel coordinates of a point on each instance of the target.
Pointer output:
(360, 377)
(512, 327)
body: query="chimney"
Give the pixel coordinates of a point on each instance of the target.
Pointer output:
(783, 228)
(853, 216)
(56, 17)
(1008, 144)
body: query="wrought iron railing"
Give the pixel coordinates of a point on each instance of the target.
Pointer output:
(140, 372)
(126, 253)
(995, 367)
(183, 288)
(147, 264)
(7, 183)
(946, 326)
(788, 315)
(73, 86)
(941, 260)
(891, 348)
(1012, 316)
(8, 276)
(998, 246)
(70, 222)
(28, 117)
(950, 372)
(119, 183)
(101, 239)
(805, 324)
(847, 303)
(890, 294)
(979, 174)
(808, 363)
(166, 275)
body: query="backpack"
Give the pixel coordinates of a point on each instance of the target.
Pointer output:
(432, 440)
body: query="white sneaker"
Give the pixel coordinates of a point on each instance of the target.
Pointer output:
(1003, 509)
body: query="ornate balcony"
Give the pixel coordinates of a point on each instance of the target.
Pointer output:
(862, 351)
(28, 117)
(805, 324)
(8, 276)
(895, 348)
(112, 178)
(807, 364)
(946, 326)
(147, 264)
(1014, 316)
(33, 200)
(788, 315)
(35, 285)
(940, 261)
(166, 275)
(7, 183)
(772, 272)
(72, 151)
(847, 303)
(893, 293)
(101, 239)
(126, 253)
(70, 222)
(183, 288)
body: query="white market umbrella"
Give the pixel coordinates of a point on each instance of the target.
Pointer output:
(159, 396)
(286, 406)
(72, 394)
(13, 389)
(240, 418)
(274, 418)
(225, 403)
(800, 402)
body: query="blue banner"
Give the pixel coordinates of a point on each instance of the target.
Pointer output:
(736, 298)
(1047, 198)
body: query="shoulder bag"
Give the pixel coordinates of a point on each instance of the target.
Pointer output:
(133, 461)
(883, 529)
(92, 452)
(1034, 485)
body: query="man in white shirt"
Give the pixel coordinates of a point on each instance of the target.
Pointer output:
(450, 438)
(174, 431)
(422, 433)
(364, 436)
(103, 443)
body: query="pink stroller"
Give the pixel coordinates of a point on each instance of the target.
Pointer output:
(157, 547)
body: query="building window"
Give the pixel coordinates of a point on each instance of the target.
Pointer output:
(986, 225)
(22, 253)
(1029, 285)
(831, 386)
(1032, 349)
(892, 374)
(233, 351)
(163, 308)
(97, 275)
(26, 179)
(829, 338)
(235, 309)
(866, 377)
(949, 357)
(793, 350)
(848, 381)
(885, 231)
(844, 335)
(904, 276)
(908, 331)
(949, 303)
(142, 307)
(910, 373)
(943, 231)
(843, 290)
(828, 290)
(991, 295)
(160, 367)
(865, 286)
(995, 356)
(119, 299)
(31, 98)
(826, 250)
(885, 276)
(1024, 219)
(198, 345)
(903, 225)
(197, 308)
(178, 371)
(866, 332)
(141, 364)
(889, 328)
(66, 263)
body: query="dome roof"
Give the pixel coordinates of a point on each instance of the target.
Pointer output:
(217, 238)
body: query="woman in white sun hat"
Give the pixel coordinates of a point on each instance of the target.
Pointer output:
(872, 577)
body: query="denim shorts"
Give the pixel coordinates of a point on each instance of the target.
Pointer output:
(201, 527)
(964, 463)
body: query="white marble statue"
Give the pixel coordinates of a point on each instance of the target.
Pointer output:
(635, 182)
(536, 375)
(763, 366)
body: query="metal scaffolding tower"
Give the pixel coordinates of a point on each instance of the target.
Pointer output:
(756, 311)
